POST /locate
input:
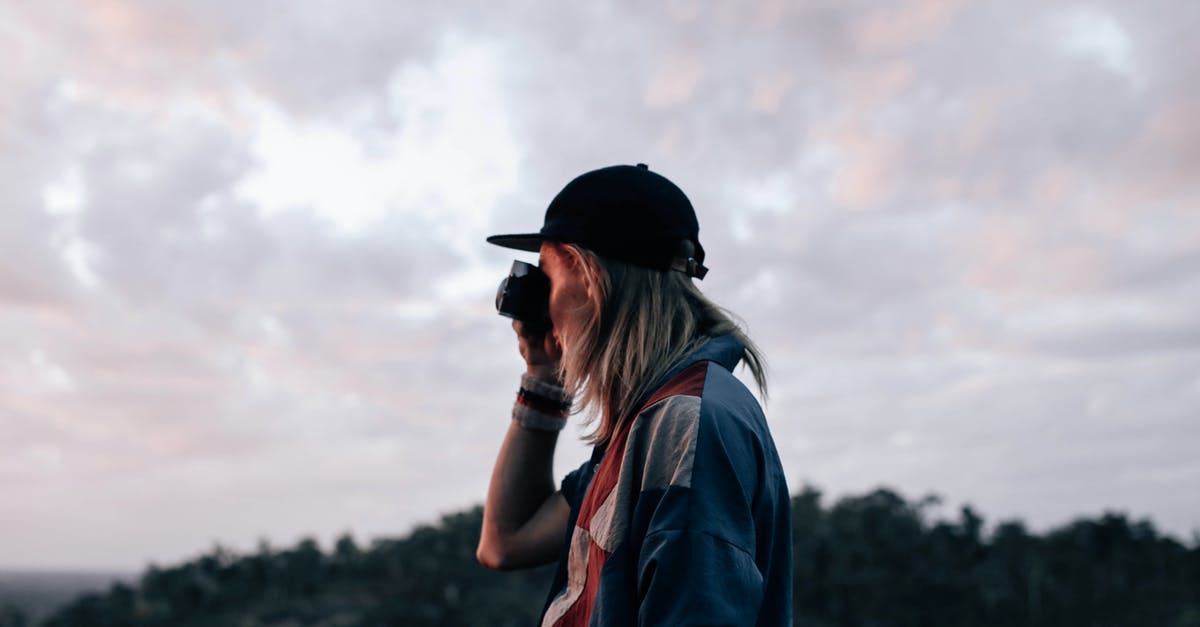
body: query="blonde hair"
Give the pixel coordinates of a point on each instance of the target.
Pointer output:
(640, 322)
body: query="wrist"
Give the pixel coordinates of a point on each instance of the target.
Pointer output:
(543, 372)
(542, 405)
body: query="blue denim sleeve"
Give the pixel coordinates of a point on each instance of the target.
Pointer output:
(575, 485)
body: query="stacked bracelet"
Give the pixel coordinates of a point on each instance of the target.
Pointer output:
(541, 405)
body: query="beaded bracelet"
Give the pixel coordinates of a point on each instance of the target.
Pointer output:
(541, 405)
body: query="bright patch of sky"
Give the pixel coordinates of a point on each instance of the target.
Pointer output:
(450, 153)
(77, 254)
(50, 374)
(64, 199)
(1099, 35)
(65, 196)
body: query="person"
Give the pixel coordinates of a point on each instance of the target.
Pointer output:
(682, 515)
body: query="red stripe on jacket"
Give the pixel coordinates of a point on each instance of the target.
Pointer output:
(689, 382)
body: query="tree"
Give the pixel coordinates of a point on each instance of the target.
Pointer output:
(11, 616)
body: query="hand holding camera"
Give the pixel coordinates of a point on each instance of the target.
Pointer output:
(524, 296)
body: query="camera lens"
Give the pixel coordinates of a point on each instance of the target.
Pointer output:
(500, 294)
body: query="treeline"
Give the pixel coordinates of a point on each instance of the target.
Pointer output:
(874, 560)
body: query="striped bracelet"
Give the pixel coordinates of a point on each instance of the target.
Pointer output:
(541, 405)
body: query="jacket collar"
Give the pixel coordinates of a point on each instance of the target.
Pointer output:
(724, 350)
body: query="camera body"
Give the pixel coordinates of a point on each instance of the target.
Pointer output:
(525, 295)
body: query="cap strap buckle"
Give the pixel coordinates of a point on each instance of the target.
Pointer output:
(690, 267)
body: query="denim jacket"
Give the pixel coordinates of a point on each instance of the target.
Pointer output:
(684, 517)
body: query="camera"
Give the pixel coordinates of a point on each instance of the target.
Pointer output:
(525, 295)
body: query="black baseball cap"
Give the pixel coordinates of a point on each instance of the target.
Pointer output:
(623, 212)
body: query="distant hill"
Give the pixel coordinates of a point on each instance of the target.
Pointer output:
(871, 560)
(38, 593)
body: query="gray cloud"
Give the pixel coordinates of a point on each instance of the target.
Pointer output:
(247, 293)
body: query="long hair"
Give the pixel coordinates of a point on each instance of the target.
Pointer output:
(640, 323)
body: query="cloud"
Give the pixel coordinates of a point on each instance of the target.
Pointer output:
(246, 291)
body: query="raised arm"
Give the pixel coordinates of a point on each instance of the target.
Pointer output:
(525, 517)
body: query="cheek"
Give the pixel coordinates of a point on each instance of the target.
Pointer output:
(569, 305)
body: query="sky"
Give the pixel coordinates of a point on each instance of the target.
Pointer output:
(246, 297)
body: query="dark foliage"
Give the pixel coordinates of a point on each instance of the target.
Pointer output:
(876, 560)
(11, 616)
(28, 596)
(428, 578)
(869, 561)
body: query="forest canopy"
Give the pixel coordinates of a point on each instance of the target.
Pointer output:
(873, 560)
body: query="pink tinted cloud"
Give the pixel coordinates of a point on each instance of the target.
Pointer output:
(866, 166)
(675, 81)
(903, 24)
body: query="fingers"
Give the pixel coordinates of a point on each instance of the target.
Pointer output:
(532, 334)
(525, 331)
(539, 349)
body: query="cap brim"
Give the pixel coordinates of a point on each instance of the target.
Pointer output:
(531, 242)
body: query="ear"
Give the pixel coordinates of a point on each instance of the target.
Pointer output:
(554, 253)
